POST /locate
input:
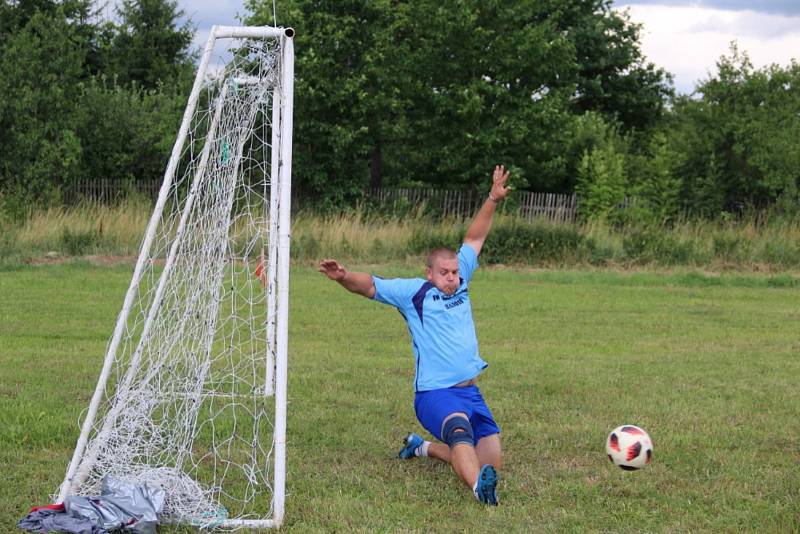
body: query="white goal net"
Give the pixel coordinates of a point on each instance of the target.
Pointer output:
(192, 394)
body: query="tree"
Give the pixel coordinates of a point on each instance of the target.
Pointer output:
(341, 94)
(148, 47)
(41, 66)
(655, 186)
(739, 138)
(15, 15)
(603, 180)
(58, 122)
(409, 92)
(126, 133)
(79, 15)
(612, 76)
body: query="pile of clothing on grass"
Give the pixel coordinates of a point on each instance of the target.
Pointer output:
(121, 506)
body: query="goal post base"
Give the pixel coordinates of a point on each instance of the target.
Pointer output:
(231, 524)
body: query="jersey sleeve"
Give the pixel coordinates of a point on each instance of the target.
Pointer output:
(396, 292)
(467, 262)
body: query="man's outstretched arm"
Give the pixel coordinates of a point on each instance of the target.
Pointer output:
(360, 283)
(482, 223)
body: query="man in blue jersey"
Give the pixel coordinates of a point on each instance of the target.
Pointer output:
(438, 313)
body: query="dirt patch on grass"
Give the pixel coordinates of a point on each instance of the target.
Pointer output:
(54, 258)
(109, 260)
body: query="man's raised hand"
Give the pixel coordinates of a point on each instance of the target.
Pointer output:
(499, 178)
(332, 269)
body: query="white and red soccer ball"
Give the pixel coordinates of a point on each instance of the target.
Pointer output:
(629, 447)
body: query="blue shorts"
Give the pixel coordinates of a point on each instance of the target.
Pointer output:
(434, 406)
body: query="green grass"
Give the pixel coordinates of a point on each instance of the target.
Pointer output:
(707, 364)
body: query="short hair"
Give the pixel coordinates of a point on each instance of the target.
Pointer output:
(441, 252)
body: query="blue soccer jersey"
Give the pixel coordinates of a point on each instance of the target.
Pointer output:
(442, 331)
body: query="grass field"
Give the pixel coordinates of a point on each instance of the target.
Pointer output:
(709, 365)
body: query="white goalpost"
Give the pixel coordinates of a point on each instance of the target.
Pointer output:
(192, 392)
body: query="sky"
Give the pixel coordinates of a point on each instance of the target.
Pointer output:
(206, 13)
(685, 37)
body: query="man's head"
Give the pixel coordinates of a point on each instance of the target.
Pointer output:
(442, 270)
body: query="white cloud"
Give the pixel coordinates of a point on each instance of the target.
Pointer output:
(206, 13)
(688, 40)
(778, 7)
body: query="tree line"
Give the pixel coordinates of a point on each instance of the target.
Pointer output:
(411, 93)
(84, 97)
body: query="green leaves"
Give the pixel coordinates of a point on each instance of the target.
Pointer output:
(400, 92)
(655, 186)
(409, 93)
(740, 136)
(71, 111)
(40, 67)
(147, 47)
(602, 182)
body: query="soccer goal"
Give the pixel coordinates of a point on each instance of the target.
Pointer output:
(192, 392)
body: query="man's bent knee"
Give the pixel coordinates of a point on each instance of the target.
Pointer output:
(457, 429)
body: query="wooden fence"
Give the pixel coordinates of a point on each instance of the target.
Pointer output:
(550, 206)
(443, 201)
(108, 191)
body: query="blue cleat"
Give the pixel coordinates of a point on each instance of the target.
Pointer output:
(487, 485)
(412, 441)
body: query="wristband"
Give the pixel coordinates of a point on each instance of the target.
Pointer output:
(493, 199)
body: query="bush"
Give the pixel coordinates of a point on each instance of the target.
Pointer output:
(428, 237)
(535, 243)
(651, 245)
(731, 248)
(780, 252)
(9, 251)
(306, 247)
(79, 243)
